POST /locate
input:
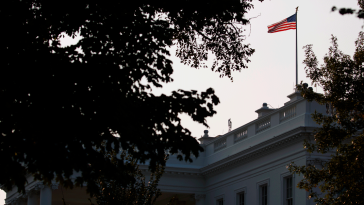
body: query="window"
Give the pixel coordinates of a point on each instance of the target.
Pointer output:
(240, 195)
(288, 191)
(240, 198)
(220, 199)
(287, 184)
(263, 194)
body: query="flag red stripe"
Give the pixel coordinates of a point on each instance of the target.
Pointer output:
(285, 26)
(274, 31)
(281, 26)
(272, 25)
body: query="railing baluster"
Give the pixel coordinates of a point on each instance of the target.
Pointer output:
(287, 114)
(241, 135)
(262, 125)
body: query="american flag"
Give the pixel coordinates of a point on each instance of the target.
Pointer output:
(284, 25)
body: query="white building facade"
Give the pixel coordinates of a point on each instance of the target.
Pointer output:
(247, 166)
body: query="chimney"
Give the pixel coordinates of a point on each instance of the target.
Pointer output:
(296, 95)
(263, 110)
(205, 138)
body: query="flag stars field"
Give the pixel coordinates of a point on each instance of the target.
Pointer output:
(284, 25)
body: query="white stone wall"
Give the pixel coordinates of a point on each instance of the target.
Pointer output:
(267, 145)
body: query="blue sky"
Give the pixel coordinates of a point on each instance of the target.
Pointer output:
(271, 73)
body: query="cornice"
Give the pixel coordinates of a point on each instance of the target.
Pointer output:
(30, 188)
(187, 174)
(33, 187)
(258, 150)
(176, 171)
(317, 161)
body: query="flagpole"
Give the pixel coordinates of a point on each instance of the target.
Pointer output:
(296, 49)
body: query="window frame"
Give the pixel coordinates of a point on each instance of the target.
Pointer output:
(263, 194)
(239, 191)
(220, 198)
(284, 177)
(261, 184)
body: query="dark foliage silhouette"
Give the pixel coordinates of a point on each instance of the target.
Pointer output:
(57, 105)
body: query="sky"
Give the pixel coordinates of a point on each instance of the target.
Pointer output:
(271, 74)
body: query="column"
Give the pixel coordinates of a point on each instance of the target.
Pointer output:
(45, 195)
(33, 197)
